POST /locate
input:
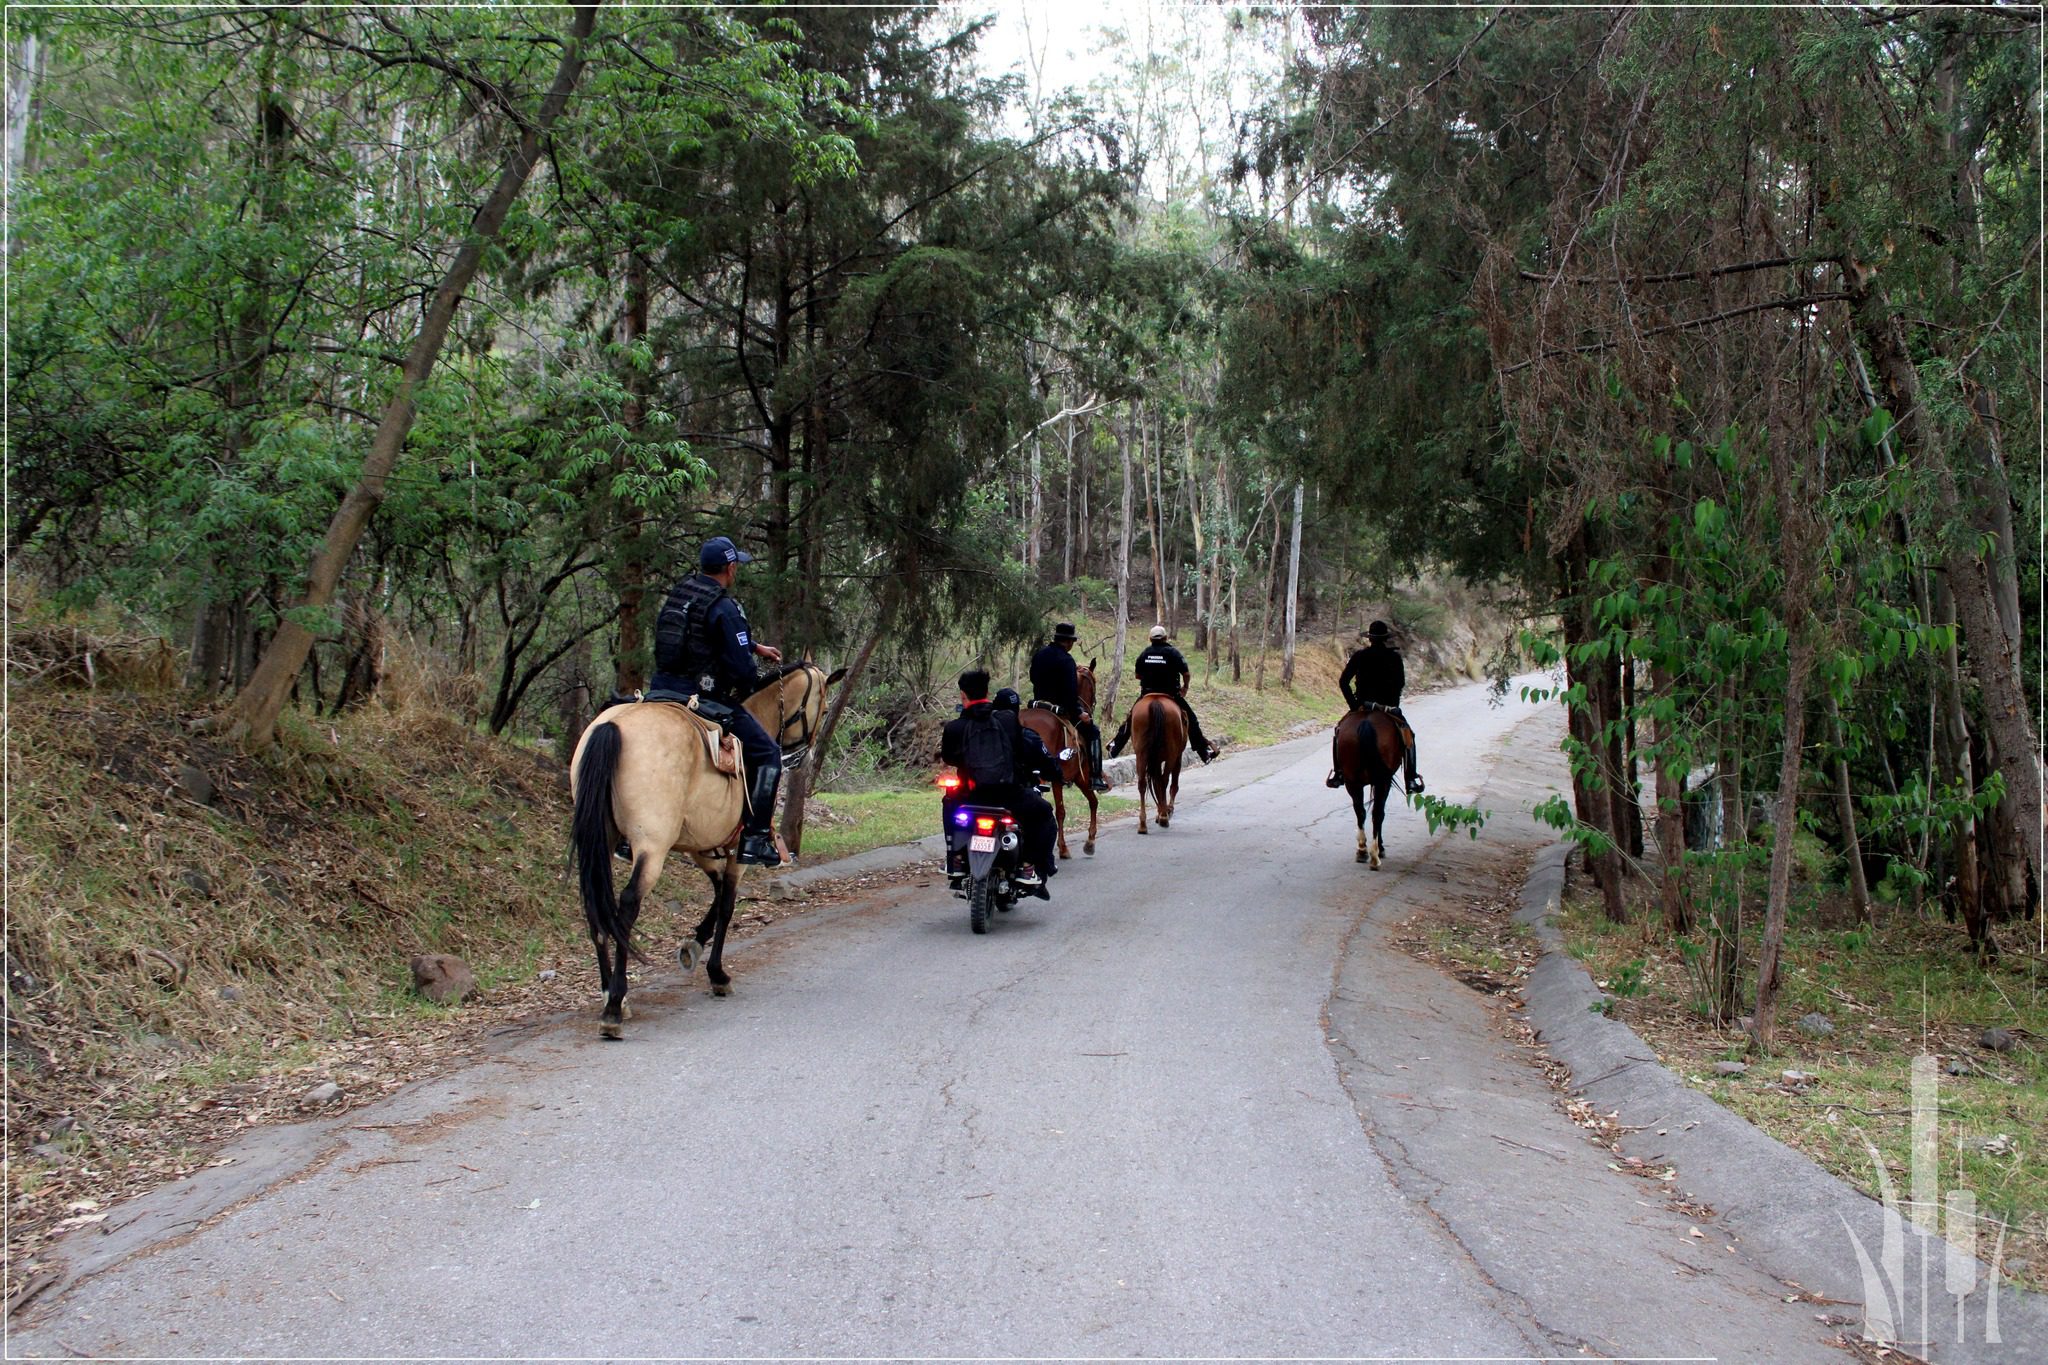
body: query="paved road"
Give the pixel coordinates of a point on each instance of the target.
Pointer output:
(1196, 1106)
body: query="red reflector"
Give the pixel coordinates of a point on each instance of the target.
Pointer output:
(984, 823)
(1009, 820)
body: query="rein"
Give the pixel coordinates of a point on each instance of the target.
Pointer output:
(793, 755)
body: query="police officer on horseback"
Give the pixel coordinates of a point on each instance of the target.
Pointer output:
(1161, 669)
(1056, 683)
(1375, 676)
(1002, 762)
(703, 649)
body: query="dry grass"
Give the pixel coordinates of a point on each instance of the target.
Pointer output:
(1891, 992)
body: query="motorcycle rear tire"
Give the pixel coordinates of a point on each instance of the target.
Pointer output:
(977, 906)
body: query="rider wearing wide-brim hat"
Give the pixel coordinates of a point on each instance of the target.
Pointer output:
(1375, 675)
(1056, 682)
(1162, 670)
(703, 649)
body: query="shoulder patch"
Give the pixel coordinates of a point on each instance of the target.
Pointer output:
(744, 642)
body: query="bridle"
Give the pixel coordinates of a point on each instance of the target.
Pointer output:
(794, 754)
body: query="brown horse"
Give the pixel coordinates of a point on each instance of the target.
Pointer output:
(1059, 735)
(648, 772)
(1159, 737)
(1367, 751)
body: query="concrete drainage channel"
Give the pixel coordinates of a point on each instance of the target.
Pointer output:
(1797, 1220)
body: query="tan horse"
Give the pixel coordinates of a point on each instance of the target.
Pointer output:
(648, 772)
(1058, 734)
(1159, 737)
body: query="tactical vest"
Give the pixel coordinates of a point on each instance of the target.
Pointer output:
(682, 636)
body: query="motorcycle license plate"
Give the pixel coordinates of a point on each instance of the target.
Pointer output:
(982, 843)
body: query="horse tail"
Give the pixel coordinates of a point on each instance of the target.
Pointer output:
(592, 832)
(1155, 740)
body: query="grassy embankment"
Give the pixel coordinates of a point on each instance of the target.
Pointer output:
(1892, 991)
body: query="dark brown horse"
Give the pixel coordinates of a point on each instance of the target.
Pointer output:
(1059, 735)
(1367, 752)
(1159, 737)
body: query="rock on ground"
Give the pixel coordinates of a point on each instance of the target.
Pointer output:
(442, 978)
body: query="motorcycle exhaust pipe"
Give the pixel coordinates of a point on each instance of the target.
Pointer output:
(1009, 841)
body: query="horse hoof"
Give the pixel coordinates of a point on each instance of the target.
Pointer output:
(1164, 823)
(1089, 848)
(1362, 856)
(689, 955)
(610, 1031)
(721, 988)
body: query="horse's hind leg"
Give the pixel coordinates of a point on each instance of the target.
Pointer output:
(1088, 790)
(1379, 815)
(721, 908)
(692, 951)
(646, 871)
(1358, 809)
(1059, 816)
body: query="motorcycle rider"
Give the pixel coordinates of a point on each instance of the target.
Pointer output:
(1056, 682)
(703, 649)
(988, 748)
(1161, 669)
(1376, 675)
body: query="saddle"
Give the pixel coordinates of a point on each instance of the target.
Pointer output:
(712, 718)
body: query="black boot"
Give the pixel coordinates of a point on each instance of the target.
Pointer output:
(1414, 782)
(757, 845)
(1095, 762)
(1123, 737)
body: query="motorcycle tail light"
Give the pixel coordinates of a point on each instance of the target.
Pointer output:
(1009, 820)
(949, 783)
(986, 824)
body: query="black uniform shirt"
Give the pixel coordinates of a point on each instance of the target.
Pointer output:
(1375, 674)
(1161, 668)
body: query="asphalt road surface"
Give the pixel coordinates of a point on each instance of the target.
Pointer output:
(1198, 1105)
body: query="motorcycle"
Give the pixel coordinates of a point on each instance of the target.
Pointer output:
(981, 853)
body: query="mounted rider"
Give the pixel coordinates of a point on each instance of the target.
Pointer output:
(703, 649)
(1002, 761)
(1161, 669)
(1056, 684)
(1374, 677)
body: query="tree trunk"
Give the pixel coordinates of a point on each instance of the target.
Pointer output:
(629, 663)
(1147, 471)
(1845, 808)
(1293, 591)
(1784, 837)
(1994, 654)
(253, 718)
(22, 69)
(798, 790)
(1204, 626)
(1123, 566)
(1670, 809)
(1272, 582)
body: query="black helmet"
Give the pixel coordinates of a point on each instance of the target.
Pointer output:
(1008, 700)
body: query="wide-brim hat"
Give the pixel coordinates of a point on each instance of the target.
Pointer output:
(1377, 631)
(1065, 631)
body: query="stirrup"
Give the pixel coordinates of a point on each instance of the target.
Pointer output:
(1415, 786)
(1333, 780)
(1101, 784)
(757, 849)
